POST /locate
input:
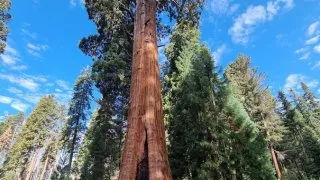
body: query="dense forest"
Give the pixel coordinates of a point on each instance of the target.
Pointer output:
(216, 124)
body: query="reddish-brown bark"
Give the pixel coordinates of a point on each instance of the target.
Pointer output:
(144, 155)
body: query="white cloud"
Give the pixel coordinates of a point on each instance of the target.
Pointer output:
(234, 8)
(305, 56)
(301, 50)
(312, 84)
(293, 82)
(15, 103)
(5, 99)
(20, 106)
(313, 28)
(29, 34)
(304, 53)
(14, 90)
(74, 3)
(36, 49)
(317, 49)
(245, 24)
(19, 67)
(11, 57)
(58, 90)
(27, 83)
(63, 84)
(316, 66)
(218, 53)
(221, 7)
(32, 98)
(313, 40)
(288, 3)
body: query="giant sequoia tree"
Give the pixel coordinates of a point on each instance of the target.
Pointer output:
(144, 155)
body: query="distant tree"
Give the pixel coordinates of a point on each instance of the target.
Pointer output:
(301, 146)
(5, 6)
(24, 153)
(9, 129)
(78, 115)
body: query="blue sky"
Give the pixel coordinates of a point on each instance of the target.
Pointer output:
(42, 57)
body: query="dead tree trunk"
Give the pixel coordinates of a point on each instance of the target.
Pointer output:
(145, 155)
(275, 161)
(44, 168)
(32, 164)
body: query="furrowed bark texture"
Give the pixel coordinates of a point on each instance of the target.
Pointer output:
(144, 155)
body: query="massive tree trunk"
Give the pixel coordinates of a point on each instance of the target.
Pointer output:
(145, 155)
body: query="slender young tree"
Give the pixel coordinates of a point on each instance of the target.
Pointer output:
(78, 115)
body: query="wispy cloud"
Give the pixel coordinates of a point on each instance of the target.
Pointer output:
(20, 106)
(63, 84)
(305, 56)
(245, 24)
(316, 65)
(313, 28)
(222, 7)
(74, 3)
(11, 57)
(293, 82)
(27, 83)
(218, 53)
(313, 34)
(28, 33)
(5, 99)
(313, 40)
(14, 90)
(36, 49)
(14, 103)
(317, 49)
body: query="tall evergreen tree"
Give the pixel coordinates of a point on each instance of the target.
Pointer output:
(111, 50)
(189, 102)
(300, 147)
(9, 129)
(5, 6)
(258, 102)
(78, 113)
(31, 139)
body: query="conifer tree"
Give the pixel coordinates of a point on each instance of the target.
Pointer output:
(111, 50)
(78, 115)
(9, 129)
(189, 102)
(246, 156)
(300, 147)
(23, 154)
(258, 102)
(5, 6)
